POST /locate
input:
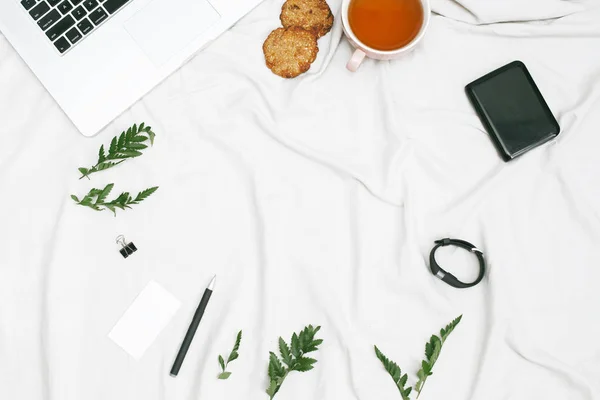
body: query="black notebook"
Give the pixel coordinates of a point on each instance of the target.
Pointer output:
(512, 110)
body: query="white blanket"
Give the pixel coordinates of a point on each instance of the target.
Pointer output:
(315, 201)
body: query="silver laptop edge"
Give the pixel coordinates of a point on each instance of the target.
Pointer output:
(124, 57)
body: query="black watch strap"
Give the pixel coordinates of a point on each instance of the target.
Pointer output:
(447, 276)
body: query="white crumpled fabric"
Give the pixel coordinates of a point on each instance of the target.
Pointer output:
(315, 201)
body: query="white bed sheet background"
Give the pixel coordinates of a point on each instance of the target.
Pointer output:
(315, 201)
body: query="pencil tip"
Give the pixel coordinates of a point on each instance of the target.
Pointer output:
(211, 285)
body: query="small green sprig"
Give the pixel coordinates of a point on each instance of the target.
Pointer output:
(432, 352)
(232, 356)
(293, 357)
(96, 199)
(394, 370)
(129, 144)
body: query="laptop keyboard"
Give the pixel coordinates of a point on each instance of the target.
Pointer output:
(67, 22)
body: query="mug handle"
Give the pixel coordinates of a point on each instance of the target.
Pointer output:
(356, 59)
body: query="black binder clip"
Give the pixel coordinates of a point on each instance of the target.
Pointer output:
(127, 249)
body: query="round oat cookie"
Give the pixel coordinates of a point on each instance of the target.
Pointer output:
(290, 51)
(312, 15)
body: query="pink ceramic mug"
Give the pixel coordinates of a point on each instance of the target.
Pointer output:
(362, 50)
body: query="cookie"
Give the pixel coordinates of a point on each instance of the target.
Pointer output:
(312, 15)
(290, 51)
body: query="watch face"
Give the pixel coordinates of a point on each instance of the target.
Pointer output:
(513, 109)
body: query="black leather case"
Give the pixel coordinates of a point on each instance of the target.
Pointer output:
(512, 110)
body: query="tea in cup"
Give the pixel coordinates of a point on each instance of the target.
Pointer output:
(383, 29)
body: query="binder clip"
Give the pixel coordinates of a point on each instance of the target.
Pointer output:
(126, 249)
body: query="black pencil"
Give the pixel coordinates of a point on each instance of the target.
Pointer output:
(189, 336)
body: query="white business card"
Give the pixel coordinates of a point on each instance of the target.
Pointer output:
(143, 321)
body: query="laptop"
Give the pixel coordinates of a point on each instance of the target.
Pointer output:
(98, 57)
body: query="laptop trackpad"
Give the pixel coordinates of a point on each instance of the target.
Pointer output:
(165, 27)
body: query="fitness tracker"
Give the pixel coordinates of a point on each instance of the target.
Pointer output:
(448, 277)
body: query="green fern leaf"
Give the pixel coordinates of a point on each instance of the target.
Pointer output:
(84, 172)
(285, 352)
(125, 146)
(272, 389)
(234, 352)
(295, 345)
(445, 332)
(104, 193)
(432, 349)
(101, 154)
(432, 353)
(304, 364)
(238, 339)
(103, 165)
(224, 375)
(113, 146)
(124, 153)
(428, 350)
(96, 199)
(306, 339)
(303, 339)
(121, 140)
(144, 194)
(151, 136)
(395, 372)
(403, 380)
(426, 368)
(232, 356)
(276, 369)
(292, 357)
(136, 146)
